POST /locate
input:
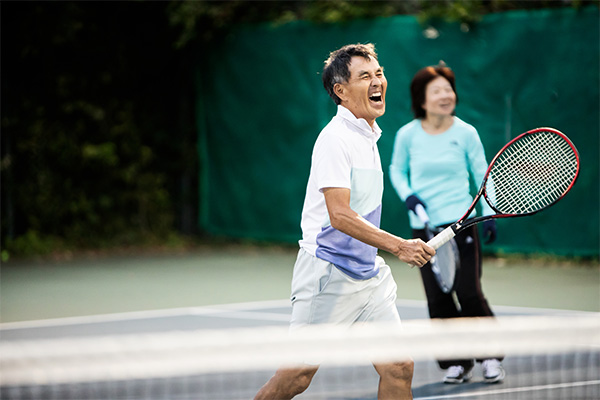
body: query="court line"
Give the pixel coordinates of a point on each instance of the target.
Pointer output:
(252, 315)
(137, 315)
(215, 310)
(512, 390)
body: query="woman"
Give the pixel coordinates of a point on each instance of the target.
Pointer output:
(434, 157)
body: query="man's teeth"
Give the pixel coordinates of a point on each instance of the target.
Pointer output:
(375, 96)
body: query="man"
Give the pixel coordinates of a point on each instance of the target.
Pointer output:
(338, 277)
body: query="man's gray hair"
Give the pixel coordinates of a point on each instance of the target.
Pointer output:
(336, 66)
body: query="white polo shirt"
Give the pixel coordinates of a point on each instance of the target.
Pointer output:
(345, 155)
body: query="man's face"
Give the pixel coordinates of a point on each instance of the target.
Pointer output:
(364, 93)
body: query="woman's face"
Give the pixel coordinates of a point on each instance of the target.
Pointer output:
(440, 99)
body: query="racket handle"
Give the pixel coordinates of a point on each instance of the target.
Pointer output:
(422, 214)
(442, 238)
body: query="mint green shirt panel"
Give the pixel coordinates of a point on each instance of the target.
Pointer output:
(367, 190)
(437, 169)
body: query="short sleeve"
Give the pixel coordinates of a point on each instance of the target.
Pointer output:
(332, 162)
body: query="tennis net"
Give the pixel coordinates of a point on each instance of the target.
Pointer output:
(546, 357)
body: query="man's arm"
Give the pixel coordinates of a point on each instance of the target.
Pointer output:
(344, 219)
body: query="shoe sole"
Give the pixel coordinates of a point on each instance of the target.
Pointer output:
(457, 381)
(495, 379)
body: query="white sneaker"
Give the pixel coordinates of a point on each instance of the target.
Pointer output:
(458, 374)
(493, 371)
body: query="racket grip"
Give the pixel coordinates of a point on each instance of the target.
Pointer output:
(442, 238)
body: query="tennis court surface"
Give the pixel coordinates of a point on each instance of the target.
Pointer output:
(562, 375)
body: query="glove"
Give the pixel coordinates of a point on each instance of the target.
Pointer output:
(412, 201)
(489, 231)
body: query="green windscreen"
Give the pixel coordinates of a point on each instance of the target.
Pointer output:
(261, 105)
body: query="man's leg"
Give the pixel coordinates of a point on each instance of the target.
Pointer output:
(286, 383)
(309, 272)
(395, 380)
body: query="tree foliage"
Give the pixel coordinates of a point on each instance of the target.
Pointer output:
(98, 135)
(206, 20)
(89, 123)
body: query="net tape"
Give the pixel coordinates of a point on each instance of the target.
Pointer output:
(532, 173)
(171, 354)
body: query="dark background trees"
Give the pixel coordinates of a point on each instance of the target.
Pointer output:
(98, 128)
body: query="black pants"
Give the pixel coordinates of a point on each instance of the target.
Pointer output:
(471, 300)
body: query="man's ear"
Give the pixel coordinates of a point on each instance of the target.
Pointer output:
(340, 91)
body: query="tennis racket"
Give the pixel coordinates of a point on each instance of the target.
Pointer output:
(529, 174)
(446, 261)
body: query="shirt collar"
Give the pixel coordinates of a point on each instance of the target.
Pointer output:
(361, 124)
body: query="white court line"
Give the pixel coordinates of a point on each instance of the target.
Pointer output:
(511, 390)
(498, 309)
(215, 310)
(256, 316)
(137, 315)
(536, 310)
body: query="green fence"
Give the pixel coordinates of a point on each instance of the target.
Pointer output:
(261, 106)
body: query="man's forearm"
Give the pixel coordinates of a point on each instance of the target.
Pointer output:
(346, 220)
(352, 224)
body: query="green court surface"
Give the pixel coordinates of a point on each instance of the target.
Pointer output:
(32, 290)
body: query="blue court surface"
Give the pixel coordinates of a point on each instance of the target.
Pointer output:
(574, 376)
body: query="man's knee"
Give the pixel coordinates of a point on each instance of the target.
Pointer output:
(287, 383)
(297, 379)
(402, 371)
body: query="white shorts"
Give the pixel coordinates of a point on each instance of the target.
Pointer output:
(322, 294)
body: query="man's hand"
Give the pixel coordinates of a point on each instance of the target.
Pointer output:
(414, 252)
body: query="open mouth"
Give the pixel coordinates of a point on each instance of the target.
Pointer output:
(376, 97)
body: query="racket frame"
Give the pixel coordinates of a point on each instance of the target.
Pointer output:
(465, 222)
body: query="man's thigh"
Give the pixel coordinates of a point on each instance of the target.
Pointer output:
(323, 294)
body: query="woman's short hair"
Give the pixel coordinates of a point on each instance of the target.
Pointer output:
(419, 84)
(336, 66)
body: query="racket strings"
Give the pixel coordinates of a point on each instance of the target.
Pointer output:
(542, 193)
(529, 169)
(531, 173)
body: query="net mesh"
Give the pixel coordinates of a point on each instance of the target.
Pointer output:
(532, 173)
(545, 357)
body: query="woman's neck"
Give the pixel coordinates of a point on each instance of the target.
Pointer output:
(436, 124)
